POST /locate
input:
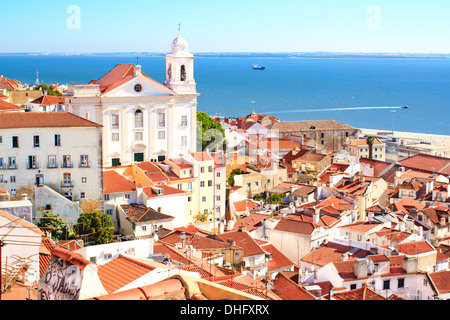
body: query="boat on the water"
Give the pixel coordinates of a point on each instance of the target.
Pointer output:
(258, 67)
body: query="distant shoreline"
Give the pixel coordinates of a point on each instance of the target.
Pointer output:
(290, 55)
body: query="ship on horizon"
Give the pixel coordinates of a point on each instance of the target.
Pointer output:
(258, 67)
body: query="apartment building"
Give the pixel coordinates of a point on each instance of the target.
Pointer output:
(59, 150)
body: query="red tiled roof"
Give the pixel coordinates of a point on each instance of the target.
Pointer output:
(119, 75)
(6, 106)
(246, 284)
(243, 240)
(363, 293)
(47, 100)
(167, 190)
(9, 120)
(415, 247)
(251, 222)
(332, 252)
(295, 226)
(441, 281)
(114, 182)
(279, 260)
(121, 271)
(245, 205)
(426, 162)
(287, 289)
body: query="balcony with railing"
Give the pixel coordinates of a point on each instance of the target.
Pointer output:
(33, 165)
(67, 164)
(84, 164)
(67, 184)
(52, 165)
(12, 166)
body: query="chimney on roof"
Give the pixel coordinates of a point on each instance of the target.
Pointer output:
(316, 216)
(410, 264)
(370, 217)
(360, 268)
(344, 256)
(442, 221)
(88, 117)
(24, 196)
(242, 229)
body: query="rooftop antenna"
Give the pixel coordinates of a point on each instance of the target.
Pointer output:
(137, 60)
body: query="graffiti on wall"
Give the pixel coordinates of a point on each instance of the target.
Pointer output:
(62, 281)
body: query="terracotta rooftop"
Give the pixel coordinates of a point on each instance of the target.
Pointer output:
(287, 289)
(114, 182)
(426, 162)
(415, 247)
(278, 260)
(363, 293)
(243, 240)
(140, 213)
(122, 271)
(295, 226)
(166, 190)
(361, 227)
(6, 106)
(441, 281)
(332, 252)
(47, 100)
(310, 125)
(119, 75)
(251, 222)
(9, 120)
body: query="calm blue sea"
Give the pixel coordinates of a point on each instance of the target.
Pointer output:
(290, 88)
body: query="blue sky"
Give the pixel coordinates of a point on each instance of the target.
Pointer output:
(233, 26)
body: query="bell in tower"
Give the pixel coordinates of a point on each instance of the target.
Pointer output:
(180, 67)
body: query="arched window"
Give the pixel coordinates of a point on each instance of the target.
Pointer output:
(183, 73)
(138, 119)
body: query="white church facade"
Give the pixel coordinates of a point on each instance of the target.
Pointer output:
(142, 119)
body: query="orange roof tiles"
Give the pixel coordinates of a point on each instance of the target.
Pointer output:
(295, 226)
(6, 106)
(245, 205)
(363, 293)
(47, 100)
(415, 247)
(332, 252)
(361, 227)
(9, 120)
(243, 240)
(114, 182)
(426, 162)
(287, 289)
(441, 281)
(121, 271)
(166, 190)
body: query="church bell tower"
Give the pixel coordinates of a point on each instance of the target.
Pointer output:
(180, 67)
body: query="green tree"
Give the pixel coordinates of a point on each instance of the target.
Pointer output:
(209, 134)
(97, 227)
(275, 198)
(52, 223)
(51, 90)
(258, 197)
(370, 140)
(231, 177)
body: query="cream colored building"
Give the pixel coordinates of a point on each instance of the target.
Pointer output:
(57, 149)
(143, 120)
(359, 148)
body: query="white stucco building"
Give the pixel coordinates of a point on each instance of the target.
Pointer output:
(59, 150)
(143, 120)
